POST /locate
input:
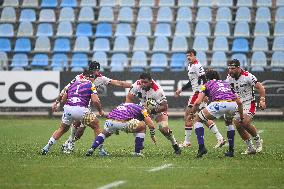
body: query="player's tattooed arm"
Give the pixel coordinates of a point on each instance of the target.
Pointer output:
(119, 83)
(184, 87)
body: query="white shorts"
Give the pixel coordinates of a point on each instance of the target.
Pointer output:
(73, 113)
(218, 109)
(111, 126)
(249, 108)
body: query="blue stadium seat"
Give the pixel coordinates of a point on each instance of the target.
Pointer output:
(27, 15)
(106, 14)
(141, 43)
(240, 45)
(261, 29)
(224, 3)
(204, 3)
(161, 44)
(68, 3)
(6, 30)
(123, 29)
(64, 29)
(23, 45)
(125, 15)
(204, 14)
(8, 14)
(42, 44)
(163, 29)
(79, 60)
(62, 45)
(159, 62)
(146, 3)
(44, 29)
(178, 61)
(88, 3)
(110, 3)
(184, 14)
(164, 15)
(66, 14)
(242, 58)
(241, 29)
(138, 61)
(202, 29)
(224, 14)
(279, 3)
(118, 62)
(277, 61)
(30, 3)
(127, 3)
(201, 57)
(166, 3)
(263, 3)
(84, 29)
(179, 44)
(222, 29)
(263, 14)
(143, 28)
(5, 44)
(48, 3)
(47, 15)
(279, 29)
(279, 16)
(258, 61)
(260, 43)
(121, 44)
(182, 29)
(82, 44)
(244, 3)
(219, 61)
(145, 14)
(86, 14)
(101, 57)
(59, 62)
(243, 14)
(278, 44)
(101, 44)
(185, 3)
(25, 29)
(39, 62)
(10, 3)
(220, 44)
(103, 30)
(200, 43)
(3, 61)
(19, 61)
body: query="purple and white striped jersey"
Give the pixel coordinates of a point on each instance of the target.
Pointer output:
(128, 111)
(218, 90)
(79, 93)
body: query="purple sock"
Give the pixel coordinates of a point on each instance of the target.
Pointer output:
(138, 144)
(200, 135)
(231, 136)
(97, 142)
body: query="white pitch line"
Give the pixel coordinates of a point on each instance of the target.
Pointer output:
(260, 131)
(160, 168)
(113, 184)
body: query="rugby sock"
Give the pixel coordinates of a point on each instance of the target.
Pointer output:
(213, 128)
(187, 131)
(199, 131)
(171, 137)
(249, 142)
(98, 141)
(231, 136)
(139, 142)
(257, 137)
(50, 143)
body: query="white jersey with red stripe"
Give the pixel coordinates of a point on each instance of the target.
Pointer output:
(244, 86)
(156, 92)
(195, 70)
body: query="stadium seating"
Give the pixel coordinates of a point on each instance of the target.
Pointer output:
(11, 3)
(279, 16)
(104, 30)
(277, 63)
(186, 3)
(82, 44)
(278, 44)
(244, 3)
(5, 45)
(243, 14)
(79, 62)
(125, 3)
(224, 3)
(167, 3)
(224, 14)
(159, 62)
(163, 29)
(260, 43)
(240, 45)
(179, 44)
(145, 14)
(101, 44)
(44, 29)
(59, 62)
(39, 62)
(164, 15)
(261, 29)
(48, 3)
(263, 3)
(30, 3)
(178, 61)
(263, 14)
(8, 15)
(141, 43)
(84, 29)
(125, 15)
(6, 30)
(204, 14)
(19, 61)
(143, 28)
(42, 44)
(219, 61)
(258, 61)
(138, 61)
(148, 3)
(204, 3)
(279, 29)
(123, 29)
(25, 29)
(241, 29)
(201, 57)
(161, 44)
(67, 14)
(64, 29)
(3, 61)
(118, 62)
(47, 15)
(68, 3)
(200, 43)
(242, 58)
(23, 45)
(220, 44)
(86, 14)
(27, 15)
(182, 29)
(101, 57)
(88, 3)
(184, 14)
(110, 3)
(105, 14)
(202, 29)
(121, 44)
(222, 29)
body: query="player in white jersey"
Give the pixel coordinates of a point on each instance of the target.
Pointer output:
(152, 96)
(196, 75)
(99, 82)
(244, 84)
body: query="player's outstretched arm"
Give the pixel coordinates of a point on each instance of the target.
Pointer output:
(119, 83)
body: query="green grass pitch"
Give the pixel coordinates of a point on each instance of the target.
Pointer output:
(22, 167)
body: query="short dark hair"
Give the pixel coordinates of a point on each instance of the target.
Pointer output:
(234, 62)
(88, 73)
(191, 51)
(145, 75)
(94, 65)
(212, 74)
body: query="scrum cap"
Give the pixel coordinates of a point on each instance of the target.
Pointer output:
(234, 63)
(94, 65)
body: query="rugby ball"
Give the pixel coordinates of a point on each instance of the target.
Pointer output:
(151, 103)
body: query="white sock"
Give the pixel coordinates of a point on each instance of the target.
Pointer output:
(140, 135)
(213, 128)
(249, 142)
(73, 133)
(231, 128)
(187, 134)
(50, 143)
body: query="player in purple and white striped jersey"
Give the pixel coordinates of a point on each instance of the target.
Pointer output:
(223, 101)
(76, 100)
(128, 117)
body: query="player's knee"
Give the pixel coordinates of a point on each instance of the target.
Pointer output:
(201, 117)
(162, 125)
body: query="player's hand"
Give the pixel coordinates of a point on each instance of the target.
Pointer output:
(103, 114)
(55, 107)
(177, 93)
(262, 105)
(241, 120)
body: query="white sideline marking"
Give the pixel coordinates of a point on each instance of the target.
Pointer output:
(260, 131)
(113, 184)
(160, 168)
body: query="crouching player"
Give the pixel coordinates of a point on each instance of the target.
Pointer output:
(128, 117)
(223, 101)
(76, 100)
